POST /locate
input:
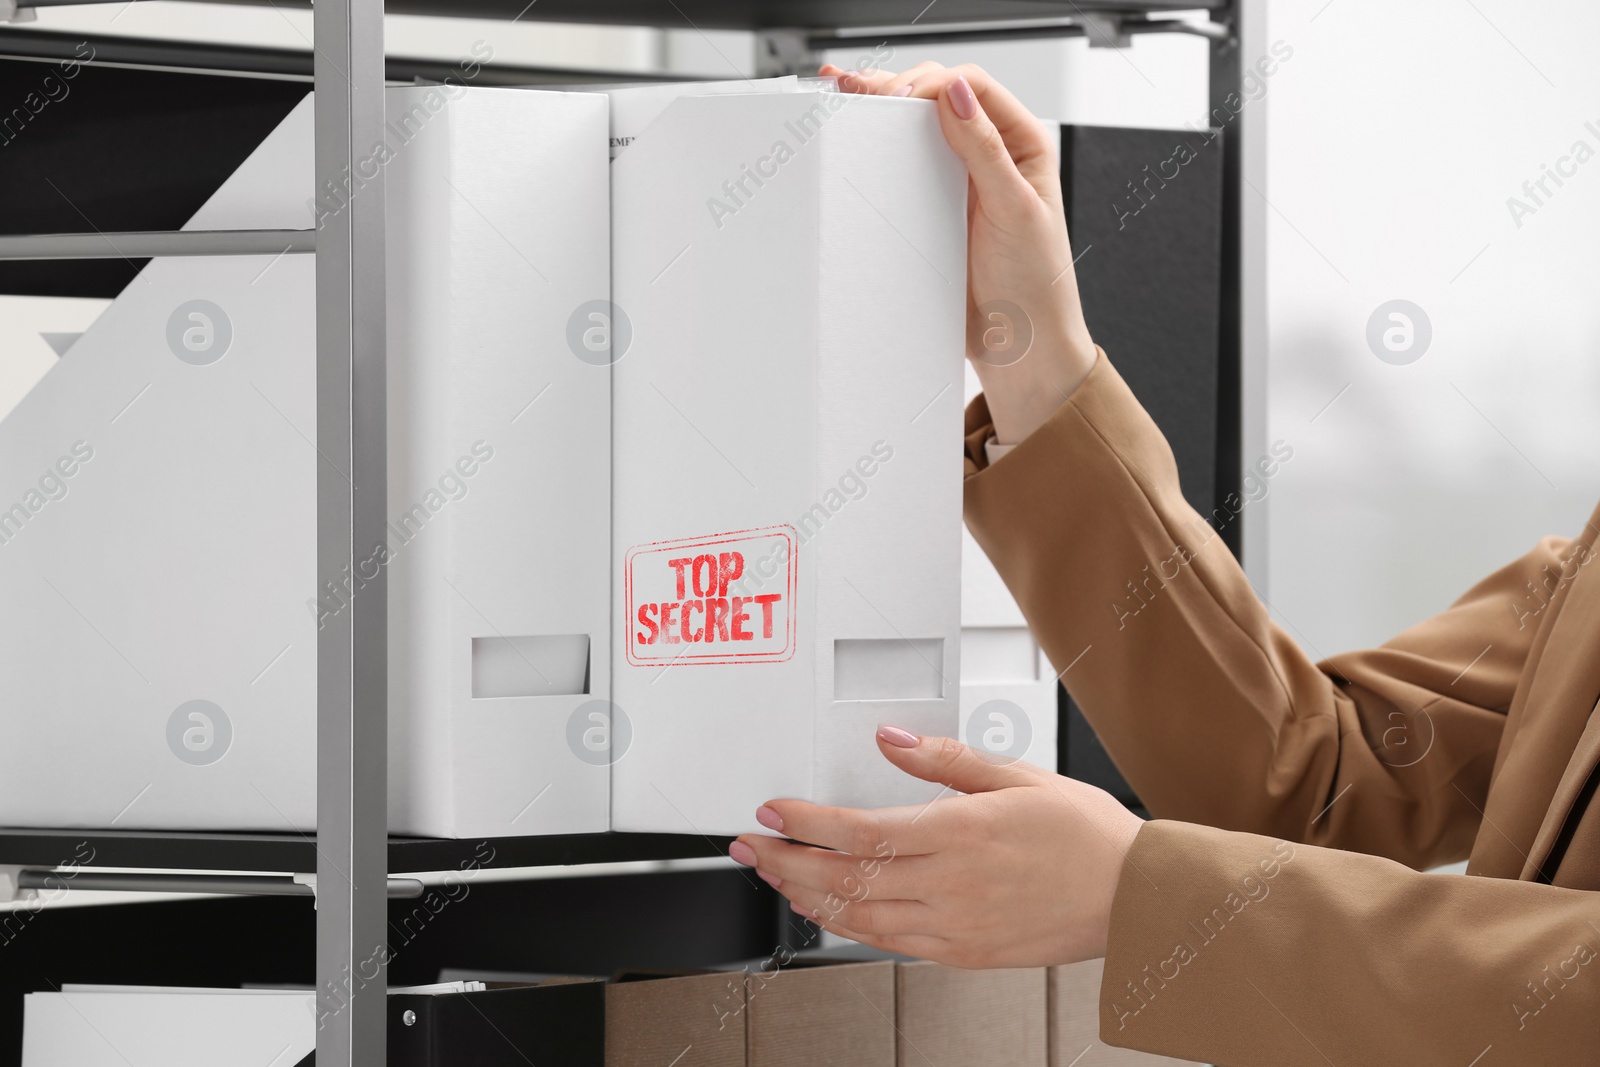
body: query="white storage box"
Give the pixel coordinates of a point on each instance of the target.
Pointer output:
(787, 475)
(158, 650)
(1008, 694)
(1008, 687)
(118, 1026)
(177, 1026)
(501, 665)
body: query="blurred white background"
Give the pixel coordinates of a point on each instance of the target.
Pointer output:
(1396, 134)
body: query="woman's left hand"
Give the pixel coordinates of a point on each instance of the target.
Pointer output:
(1020, 872)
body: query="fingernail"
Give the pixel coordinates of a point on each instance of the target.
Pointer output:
(771, 879)
(904, 90)
(769, 818)
(742, 853)
(798, 910)
(898, 737)
(962, 100)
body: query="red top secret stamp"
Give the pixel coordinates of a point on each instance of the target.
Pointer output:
(727, 598)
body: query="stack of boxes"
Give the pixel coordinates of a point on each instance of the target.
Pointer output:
(789, 1012)
(674, 500)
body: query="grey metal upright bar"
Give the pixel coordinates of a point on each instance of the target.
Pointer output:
(352, 646)
(1244, 276)
(1228, 60)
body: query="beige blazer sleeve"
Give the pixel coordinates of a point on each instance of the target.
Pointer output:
(1215, 716)
(1240, 950)
(1211, 711)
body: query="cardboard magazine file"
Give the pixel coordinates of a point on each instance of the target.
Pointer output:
(160, 569)
(1008, 688)
(1008, 695)
(787, 498)
(1074, 993)
(684, 1018)
(996, 1018)
(499, 680)
(821, 1013)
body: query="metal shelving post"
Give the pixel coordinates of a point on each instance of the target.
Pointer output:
(1244, 293)
(352, 435)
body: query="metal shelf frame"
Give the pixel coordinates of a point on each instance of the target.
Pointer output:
(162, 850)
(351, 853)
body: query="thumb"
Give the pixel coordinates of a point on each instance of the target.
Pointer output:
(948, 762)
(979, 143)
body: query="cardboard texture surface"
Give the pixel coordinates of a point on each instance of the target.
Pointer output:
(163, 597)
(783, 429)
(1074, 993)
(949, 1015)
(695, 1020)
(823, 1015)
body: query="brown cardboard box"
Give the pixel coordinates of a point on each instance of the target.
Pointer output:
(813, 1013)
(683, 1019)
(951, 1016)
(1075, 1023)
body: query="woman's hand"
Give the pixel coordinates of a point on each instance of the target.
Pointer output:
(1025, 330)
(1018, 873)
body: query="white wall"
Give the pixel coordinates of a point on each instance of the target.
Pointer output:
(1396, 134)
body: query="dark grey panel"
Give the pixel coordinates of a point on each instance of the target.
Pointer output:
(1144, 208)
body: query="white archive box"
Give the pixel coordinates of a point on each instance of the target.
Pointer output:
(1008, 688)
(178, 1026)
(1008, 695)
(117, 1026)
(163, 608)
(786, 468)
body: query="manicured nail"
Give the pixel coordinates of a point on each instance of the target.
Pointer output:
(798, 910)
(769, 818)
(962, 100)
(904, 90)
(771, 879)
(742, 853)
(898, 737)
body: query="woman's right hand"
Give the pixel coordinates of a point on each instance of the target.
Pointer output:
(1021, 287)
